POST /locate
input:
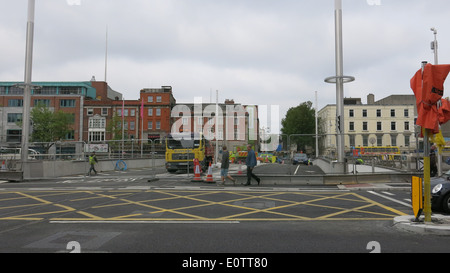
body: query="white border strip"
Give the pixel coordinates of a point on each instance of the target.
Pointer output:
(392, 199)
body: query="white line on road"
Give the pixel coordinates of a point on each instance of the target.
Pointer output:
(295, 173)
(392, 199)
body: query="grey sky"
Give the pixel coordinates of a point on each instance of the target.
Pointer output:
(263, 52)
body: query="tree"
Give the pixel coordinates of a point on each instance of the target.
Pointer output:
(300, 120)
(49, 126)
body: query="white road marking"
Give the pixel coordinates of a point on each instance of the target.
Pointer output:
(392, 199)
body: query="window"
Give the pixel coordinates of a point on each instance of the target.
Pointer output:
(158, 112)
(378, 112)
(158, 125)
(379, 126)
(104, 111)
(406, 113)
(46, 90)
(350, 113)
(365, 127)
(42, 102)
(15, 103)
(365, 140)
(379, 140)
(14, 117)
(352, 126)
(69, 90)
(393, 140)
(150, 125)
(393, 126)
(125, 112)
(70, 135)
(407, 139)
(406, 125)
(158, 99)
(15, 90)
(352, 140)
(364, 112)
(150, 112)
(97, 122)
(132, 112)
(90, 111)
(392, 113)
(96, 136)
(67, 103)
(132, 125)
(13, 135)
(150, 99)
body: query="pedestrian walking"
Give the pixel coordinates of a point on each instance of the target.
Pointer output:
(251, 163)
(92, 161)
(225, 166)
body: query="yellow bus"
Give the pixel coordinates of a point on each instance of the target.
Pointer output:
(381, 152)
(183, 148)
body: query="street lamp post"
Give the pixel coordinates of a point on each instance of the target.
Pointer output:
(434, 47)
(339, 80)
(27, 84)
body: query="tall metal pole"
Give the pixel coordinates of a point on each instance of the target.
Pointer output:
(27, 89)
(106, 54)
(434, 47)
(339, 80)
(317, 129)
(216, 130)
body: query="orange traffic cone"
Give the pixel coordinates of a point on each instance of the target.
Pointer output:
(209, 178)
(240, 168)
(197, 177)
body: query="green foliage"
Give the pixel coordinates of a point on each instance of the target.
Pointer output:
(49, 126)
(300, 120)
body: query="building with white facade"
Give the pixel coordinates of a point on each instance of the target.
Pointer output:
(383, 123)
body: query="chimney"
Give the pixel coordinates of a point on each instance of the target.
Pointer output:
(370, 99)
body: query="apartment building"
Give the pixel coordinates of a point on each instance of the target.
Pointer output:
(229, 123)
(386, 122)
(66, 96)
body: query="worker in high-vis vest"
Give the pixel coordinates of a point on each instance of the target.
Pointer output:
(92, 161)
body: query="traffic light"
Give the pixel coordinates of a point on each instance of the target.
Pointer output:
(338, 124)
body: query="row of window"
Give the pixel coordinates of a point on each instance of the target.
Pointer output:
(44, 102)
(158, 99)
(365, 126)
(379, 140)
(46, 90)
(100, 123)
(351, 113)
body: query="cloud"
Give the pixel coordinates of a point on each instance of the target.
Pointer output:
(255, 52)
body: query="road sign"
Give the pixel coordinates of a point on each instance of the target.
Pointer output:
(417, 196)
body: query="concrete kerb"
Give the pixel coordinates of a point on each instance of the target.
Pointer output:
(440, 224)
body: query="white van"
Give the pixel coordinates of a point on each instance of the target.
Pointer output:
(15, 153)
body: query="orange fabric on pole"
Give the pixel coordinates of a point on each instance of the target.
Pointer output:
(428, 87)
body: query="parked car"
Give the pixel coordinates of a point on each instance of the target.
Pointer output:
(300, 159)
(440, 192)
